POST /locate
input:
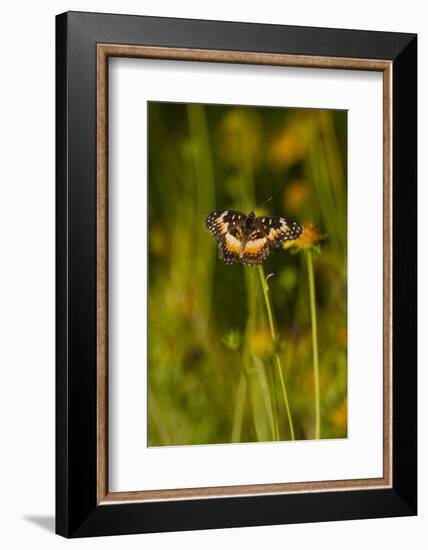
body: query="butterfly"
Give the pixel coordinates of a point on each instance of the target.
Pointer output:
(247, 239)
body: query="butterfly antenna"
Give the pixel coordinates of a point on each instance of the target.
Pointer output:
(263, 203)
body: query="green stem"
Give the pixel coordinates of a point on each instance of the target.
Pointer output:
(312, 300)
(277, 359)
(204, 202)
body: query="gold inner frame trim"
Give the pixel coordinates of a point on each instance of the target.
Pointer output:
(104, 51)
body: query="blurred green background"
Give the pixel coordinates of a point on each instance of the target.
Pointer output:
(211, 374)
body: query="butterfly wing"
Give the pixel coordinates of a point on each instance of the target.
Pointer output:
(220, 222)
(230, 245)
(235, 244)
(278, 230)
(228, 229)
(256, 248)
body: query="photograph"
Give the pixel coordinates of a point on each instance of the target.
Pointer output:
(212, 263)
(247, 274)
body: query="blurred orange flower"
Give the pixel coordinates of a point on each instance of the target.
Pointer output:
(158, 240)
(261, 343)
(286, 149)
(339, 417)
(240, 134)
(342, 335)
(295, 195)
(292, 143)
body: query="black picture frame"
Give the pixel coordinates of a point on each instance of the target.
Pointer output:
(78, 513)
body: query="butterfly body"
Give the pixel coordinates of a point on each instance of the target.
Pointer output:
(247, 239)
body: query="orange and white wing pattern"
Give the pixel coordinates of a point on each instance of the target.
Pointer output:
(248, 239)
(256, 248)
(220, 222)
(231, 245)
(227, 228)
(278, 230)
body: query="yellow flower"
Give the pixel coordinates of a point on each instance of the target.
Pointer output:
(290, 145)
(158, 243)
(309, 237)
(295, 196)
(286, 149)
(261, 343)
(342, 336)
(339, 417)
(239, 136)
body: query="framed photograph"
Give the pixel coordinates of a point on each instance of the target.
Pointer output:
(236, 274)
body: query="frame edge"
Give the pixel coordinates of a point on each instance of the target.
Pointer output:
(61, 267)
(100, 520)
(405, 274)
